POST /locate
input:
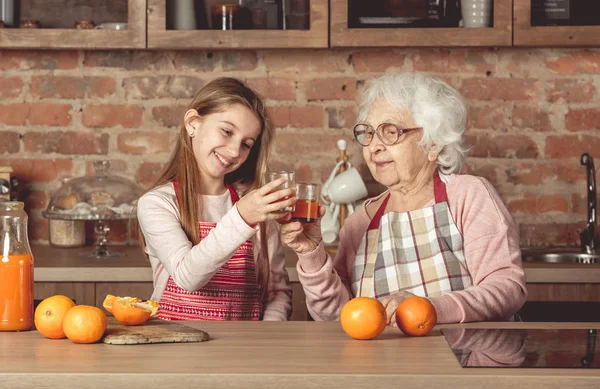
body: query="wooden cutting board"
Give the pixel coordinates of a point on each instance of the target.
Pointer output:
(154, 331)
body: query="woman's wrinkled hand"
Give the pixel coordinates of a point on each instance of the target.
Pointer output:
(302, 237)
(263, 204)
(391, 302)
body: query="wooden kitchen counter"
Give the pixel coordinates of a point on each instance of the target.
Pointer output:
(271, 355)
(65, 265)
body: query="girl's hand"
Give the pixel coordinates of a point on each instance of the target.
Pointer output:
(302, 237)
(263, 204)
(391, 302)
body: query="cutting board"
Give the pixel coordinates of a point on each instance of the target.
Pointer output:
(154, 331)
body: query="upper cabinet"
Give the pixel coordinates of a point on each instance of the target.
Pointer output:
(64, 24)
(557, 23)
(245, 24)
(409, 23)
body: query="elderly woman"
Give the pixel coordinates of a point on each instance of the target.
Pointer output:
(432, 233)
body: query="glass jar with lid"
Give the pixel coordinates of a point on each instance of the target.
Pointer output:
(16, 269)
(100, 198)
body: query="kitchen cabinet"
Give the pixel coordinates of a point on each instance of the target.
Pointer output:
(563, 292)
(134, 37)
(83, 293)
(498, 35)
(551, 36)
(159, 37)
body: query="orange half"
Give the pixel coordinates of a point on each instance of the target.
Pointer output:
(131, 311)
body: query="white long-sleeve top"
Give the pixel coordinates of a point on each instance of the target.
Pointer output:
(172, 254)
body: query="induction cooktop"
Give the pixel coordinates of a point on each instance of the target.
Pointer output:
(519, 348)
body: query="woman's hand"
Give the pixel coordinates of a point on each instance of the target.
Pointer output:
(302, 237)
(391, 302)
(264, 203)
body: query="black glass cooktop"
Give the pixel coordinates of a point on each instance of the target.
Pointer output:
(537, 348)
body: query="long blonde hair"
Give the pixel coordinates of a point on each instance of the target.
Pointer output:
(217, 96)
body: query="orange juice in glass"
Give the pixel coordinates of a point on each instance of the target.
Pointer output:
(16, 269)
(307, 205)
(290, 183)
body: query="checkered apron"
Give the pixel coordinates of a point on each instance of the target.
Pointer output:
(419, 251)
(231, 294)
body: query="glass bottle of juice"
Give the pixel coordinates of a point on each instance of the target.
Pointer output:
(16, 269)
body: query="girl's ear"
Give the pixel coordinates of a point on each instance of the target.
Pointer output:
(192, 120)
(433, 153)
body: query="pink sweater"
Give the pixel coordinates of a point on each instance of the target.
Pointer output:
(491, 249)
(172, 254)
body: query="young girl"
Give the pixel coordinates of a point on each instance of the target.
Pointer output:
(208, 225)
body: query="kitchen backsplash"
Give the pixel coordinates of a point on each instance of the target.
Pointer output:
(532, 113)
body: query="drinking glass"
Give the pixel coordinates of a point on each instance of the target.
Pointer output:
(290, 183)
(307, 205)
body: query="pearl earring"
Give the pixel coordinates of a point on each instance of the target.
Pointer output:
(192, 134)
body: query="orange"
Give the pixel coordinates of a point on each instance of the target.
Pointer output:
(363, 318)
(131, 311)
(108, 302)
(416, 316)
(49, 315)
(85, 324)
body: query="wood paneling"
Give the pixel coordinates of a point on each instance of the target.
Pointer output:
(81, 292)
(563, 292)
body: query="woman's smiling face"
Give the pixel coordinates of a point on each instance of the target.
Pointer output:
(397, 165)
(222, 140)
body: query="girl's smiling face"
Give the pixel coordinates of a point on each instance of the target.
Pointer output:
(222, 141)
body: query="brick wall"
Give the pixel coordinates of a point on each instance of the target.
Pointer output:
(533, 112)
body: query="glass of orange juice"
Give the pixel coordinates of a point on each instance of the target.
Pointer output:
(307, 205)
(290, 183)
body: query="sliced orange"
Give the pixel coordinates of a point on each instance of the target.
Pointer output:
(108, 302)
(131, 311)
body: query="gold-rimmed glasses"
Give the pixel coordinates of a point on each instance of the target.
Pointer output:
(389, 134)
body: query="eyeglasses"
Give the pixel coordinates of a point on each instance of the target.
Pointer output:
(388, 133)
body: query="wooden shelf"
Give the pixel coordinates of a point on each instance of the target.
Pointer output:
(549, 36)
(499, 35)
(161, 38)
(62, 38)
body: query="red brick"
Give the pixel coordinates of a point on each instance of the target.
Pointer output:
(579, 204)
(147, 87)
(129, 60)
(508, 89)
(279, 116)
(322, 61)
(376, 61)
(274, 88)
(117, 166)
(545, 172)
(534, 204)
(531, 117)
(10, 87)
(65, 87)
(582, 119)
(147, 173)
(169, 115)
(305, 117)
(330, 89)
(34, 59)
(234, 60)
(144, 142)
(502, 146)
(565, 146)
(482, 169)
(557, 234)
(198, 61)
(80, 143)
(9, 142)
(14, 114)
(110, 115)
(489, 117)
(341, 117)
(525, 173)
(570, 91)
(454, 61)
(39, 170)
(576, 62)
(298, 144)
(50, 114)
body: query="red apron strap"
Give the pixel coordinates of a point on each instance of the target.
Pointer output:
(375, 221)
(439, 189)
